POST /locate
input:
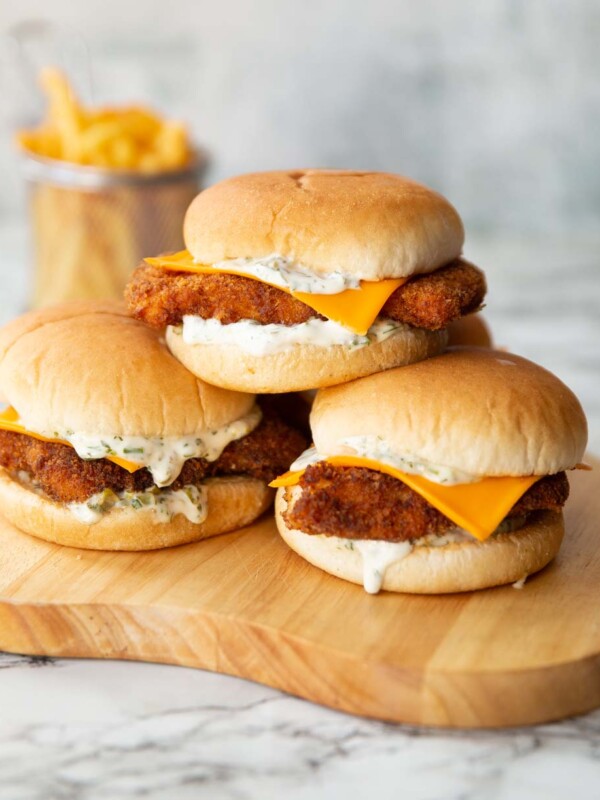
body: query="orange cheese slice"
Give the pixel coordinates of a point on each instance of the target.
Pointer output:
(477, 507)
(9, 421)
(355, 309)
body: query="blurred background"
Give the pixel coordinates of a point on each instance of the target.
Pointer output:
(496, 104)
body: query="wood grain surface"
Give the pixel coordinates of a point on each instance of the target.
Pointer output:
(243, 604)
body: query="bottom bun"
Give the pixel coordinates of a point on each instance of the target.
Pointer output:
(232, 503)
(456, 567)
(306, 366)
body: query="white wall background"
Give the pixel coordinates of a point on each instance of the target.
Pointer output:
(494, 102)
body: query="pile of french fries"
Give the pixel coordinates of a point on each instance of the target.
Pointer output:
(88, 239)
(128, 138)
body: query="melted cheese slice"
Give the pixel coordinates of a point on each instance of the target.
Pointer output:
(355, 309)
(477, 507)
(10, 421)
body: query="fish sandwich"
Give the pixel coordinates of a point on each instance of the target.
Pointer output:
(443, 476)
(110, 443)
(302, 279)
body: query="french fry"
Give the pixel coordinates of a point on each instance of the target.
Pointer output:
(42, 142)
(96, 137)
(172, 145)
(131, 138)
(142, 124)
(123, 152)
(64, 113)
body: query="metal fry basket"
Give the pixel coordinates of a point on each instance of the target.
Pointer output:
(92, 226)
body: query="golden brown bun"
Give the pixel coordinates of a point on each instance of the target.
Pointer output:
(471, 330)
(305, 366)
(460, 567)
(372, 225)
(479, 411)
(88, 367)
(232, 503)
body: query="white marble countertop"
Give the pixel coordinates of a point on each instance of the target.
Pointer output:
(78, 730)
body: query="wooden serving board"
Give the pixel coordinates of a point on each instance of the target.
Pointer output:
(243, 604)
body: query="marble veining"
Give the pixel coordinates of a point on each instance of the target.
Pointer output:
(117, 730)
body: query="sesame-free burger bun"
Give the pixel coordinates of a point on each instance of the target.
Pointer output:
(457, 567)
(232, 502)
(305, 366)
(479, 411)
(88, 367)
(373, 225)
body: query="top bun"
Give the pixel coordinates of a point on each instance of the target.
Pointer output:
(88, 367)
(479, 411)
(372, 225)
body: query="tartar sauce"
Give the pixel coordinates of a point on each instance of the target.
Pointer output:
(164, 456)
(191, 502)
(377, 449)
(283, 272)
(305, 459)
(260, 340)
(377, 555)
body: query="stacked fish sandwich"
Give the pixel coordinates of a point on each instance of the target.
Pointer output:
(302, 279)
(109, 443)
(443, 476)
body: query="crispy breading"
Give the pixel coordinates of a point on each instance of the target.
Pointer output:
(62, 475)
(160, 297)
(359, 503)
(434, 301)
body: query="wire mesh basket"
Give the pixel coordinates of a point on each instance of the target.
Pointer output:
(91, 227)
